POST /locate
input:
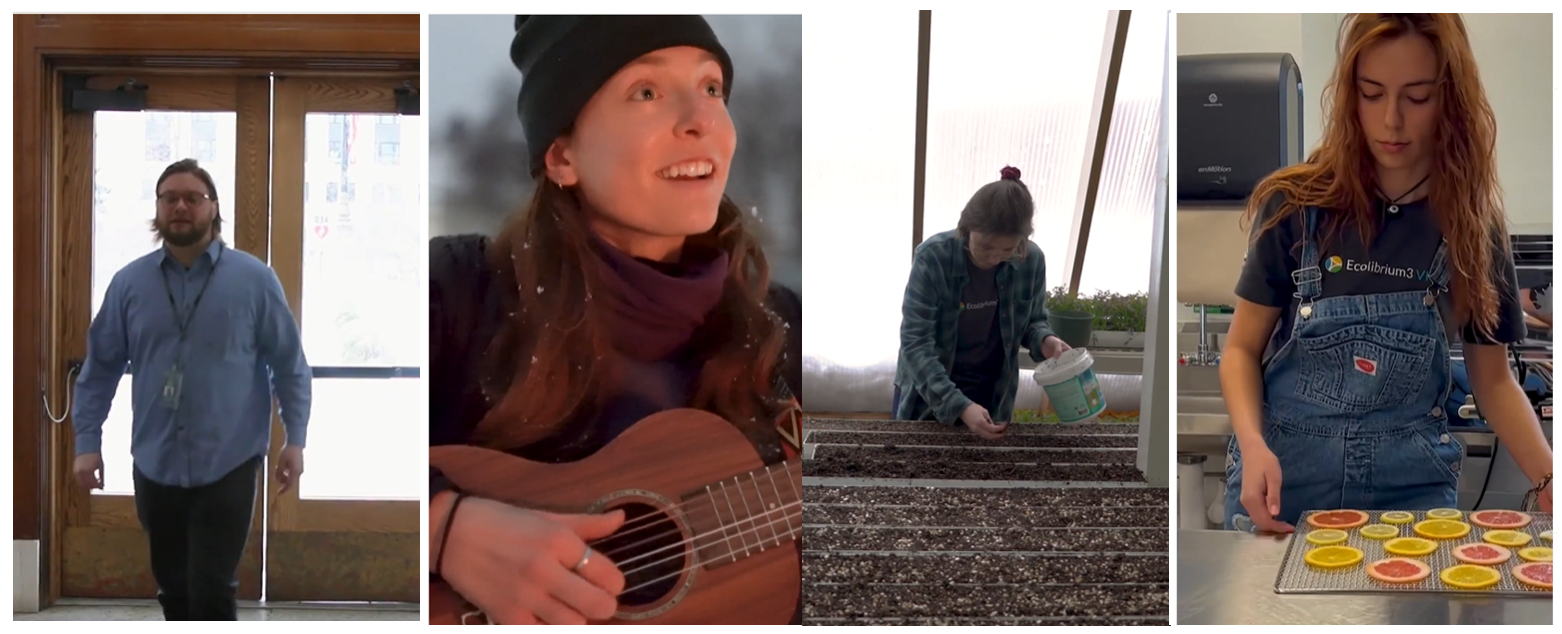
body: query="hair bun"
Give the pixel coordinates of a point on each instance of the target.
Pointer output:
(1010, 173)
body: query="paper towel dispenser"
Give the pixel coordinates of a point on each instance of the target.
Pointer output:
(1239, 118)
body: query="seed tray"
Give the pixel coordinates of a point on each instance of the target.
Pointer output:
(1298, 577)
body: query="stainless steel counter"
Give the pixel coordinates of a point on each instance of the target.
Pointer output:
(1228, 578)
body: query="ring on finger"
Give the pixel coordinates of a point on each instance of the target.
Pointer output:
(584, 557)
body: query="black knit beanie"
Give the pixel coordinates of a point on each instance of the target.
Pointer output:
(564, 59)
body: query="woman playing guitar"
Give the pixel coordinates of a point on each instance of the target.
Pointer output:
(628, 286)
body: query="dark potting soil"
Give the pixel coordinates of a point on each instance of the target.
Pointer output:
(828, 568)
(973, 454)
(1006, 539)
(877, 601)
(848, 424)
(972, 440)
(931, 464)
(1086, 621)
(992, 498)
(974, 516)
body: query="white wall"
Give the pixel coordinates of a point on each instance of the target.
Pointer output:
(1512, 50)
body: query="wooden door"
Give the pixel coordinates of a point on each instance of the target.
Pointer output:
(347, 243)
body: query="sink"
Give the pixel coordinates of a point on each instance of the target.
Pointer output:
(1202, 422)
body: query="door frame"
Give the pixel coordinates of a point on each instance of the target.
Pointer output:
(45, 47)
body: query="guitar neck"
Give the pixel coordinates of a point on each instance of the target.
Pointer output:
(746, 514)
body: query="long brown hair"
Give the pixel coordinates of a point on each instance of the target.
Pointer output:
(547, 360)
(1465, 196)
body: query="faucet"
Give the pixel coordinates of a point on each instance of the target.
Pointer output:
(1207, 355)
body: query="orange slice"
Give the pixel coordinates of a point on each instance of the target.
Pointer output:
(1332, 557)
(1442, 529)
(1468, 577)
(1511, 539)
(1410, 546)
(1535, 553)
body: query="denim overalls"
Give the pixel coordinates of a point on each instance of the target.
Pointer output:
(1354, 401)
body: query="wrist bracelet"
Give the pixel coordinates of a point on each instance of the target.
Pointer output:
(444, 537)
(1531, 501)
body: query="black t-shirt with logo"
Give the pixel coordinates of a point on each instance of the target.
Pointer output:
(1398, 259)
(979, 346)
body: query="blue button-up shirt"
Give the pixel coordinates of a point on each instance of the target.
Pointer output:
(241, 342)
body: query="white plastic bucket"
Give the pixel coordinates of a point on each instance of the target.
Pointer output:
(1071, 386)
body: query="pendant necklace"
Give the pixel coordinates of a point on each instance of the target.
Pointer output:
(1393, 205)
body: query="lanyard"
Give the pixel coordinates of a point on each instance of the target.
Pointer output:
(183, 321)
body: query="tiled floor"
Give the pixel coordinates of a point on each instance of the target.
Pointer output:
(79, 610)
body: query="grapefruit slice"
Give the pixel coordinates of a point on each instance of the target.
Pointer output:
(1398, 570)
(1410, 546)
(1511, 539)
(1481, 554)
(1342, 520)
(1326, 537)
(1444, 514)
(1331, 557)
(1442, 529)
(1379, 531)
(1500, 519)
(1397, 517)
(1469, 577)
(1535, 553)
(1537, 574)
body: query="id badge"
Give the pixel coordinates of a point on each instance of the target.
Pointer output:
(173, 384)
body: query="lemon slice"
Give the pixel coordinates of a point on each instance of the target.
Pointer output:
(1333, 557)
(1410, 546)
(1442, 529)
(1326, 536)
(1397, 517)
(1470, 577)
(1511, 539)
(1546, 534)
(1444, 514)
(1535, 553)
(1379, 531)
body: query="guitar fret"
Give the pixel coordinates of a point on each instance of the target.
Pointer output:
(752, 522)
(767, 508)
(736, 523)
(785, 513)
(721, 524)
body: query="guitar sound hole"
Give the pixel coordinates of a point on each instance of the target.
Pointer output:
(650, 551)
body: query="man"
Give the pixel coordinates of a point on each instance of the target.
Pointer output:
(976, 295)
(207, 335)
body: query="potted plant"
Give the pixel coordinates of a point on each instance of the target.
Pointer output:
(1119, 319)
(1071, 317)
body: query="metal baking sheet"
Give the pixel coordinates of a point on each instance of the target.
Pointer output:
(1297, 577)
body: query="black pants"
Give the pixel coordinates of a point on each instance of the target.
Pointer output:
(197, 536)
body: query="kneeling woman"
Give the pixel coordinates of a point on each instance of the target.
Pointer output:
(627, 287)
(1366, 259)
(977, 294)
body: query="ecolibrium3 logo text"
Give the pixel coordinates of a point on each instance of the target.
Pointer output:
(1336, 264)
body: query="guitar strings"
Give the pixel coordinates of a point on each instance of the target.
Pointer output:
(791, 533)
(667, 517)
(771, 474)
(753, 519)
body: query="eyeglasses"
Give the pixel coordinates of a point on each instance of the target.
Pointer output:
(190, 199)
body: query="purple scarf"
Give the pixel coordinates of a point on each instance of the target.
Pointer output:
(658, 307)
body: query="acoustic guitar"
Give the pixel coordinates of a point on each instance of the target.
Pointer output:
(710, 534)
